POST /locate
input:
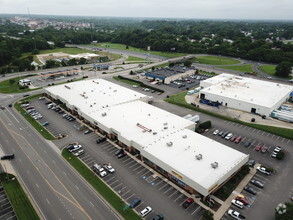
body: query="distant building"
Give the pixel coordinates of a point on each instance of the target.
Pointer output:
(24, 82)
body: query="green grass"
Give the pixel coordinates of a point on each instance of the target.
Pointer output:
(100, 186)
(18, 199)
(44, 132)
(269, 69)
(240, 68)
(123, 47)
(216, 60)
(12, 86)
(126, 81)
(69, 50)
(179, 99)
(130, 58)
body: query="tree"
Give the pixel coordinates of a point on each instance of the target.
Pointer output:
(82, 61)
(187, 63)
(208, 215)
(283, 69)
(284, 211)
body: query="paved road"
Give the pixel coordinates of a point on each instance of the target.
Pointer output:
(59, 192)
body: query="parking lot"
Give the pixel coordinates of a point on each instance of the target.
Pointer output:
(132, 179)
(6, 210)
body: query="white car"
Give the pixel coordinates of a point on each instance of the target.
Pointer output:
(109, 168)
(277, 149)
(75, 148)
(235, 214)
(78, 153)
(146, 211)
(263, 170)
(216, 132)
(237, 203)
(228, 137)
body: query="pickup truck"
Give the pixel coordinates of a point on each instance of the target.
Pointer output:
(99, 170)
(235, 215)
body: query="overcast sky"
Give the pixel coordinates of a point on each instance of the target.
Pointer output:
(222, 9)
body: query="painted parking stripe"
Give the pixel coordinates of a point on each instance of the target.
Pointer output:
(129, 197)
(130, 163)
(278, 137)
(141, 170)
(134, 164)
(145, 174)
(263, 133)
(139, 204)
(258, 131)
(288, 141)
(168, 190)
(110, 179)
(127, 159)
(173, 193)
(117, 186)
(111, 184)
(283, 139)
(249, 128)
(126, 192)
(140, 166)
(164, 186)
(195, 210)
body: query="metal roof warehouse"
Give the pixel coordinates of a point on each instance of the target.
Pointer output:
(165, 141)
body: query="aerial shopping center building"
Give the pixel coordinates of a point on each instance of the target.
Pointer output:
(164, 141)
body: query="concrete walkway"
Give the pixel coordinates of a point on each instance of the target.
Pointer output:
(225, 205)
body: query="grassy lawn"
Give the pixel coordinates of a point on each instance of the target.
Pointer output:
(69, 50)
(179, 99)
(12, 86)
(100, 186)
(240, 68)
(123, 47)
(126, 81)
(215, 60)
(19, 201)
(130, 58)
(269, 69)
(31, 120)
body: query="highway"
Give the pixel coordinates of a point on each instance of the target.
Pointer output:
(58, 191)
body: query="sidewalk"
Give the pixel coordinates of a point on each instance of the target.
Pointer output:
(225, 205)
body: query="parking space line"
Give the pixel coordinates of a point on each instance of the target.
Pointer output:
(195, 210)
(129, 158)
(249, 128)
(110, 184)
(139, 204)
(161, 180)
(258, 131)
(130, 162)
(278, 137)
(109, 179)
(288, 141)
(164, 186)
(141, 170)
(173, 193)
(145, 173)
(129, 197)
(126, 192)
(117, 186)
(138, 167)
(168, 190)
(283, 139)
(134, 165)
(178, 197)
(263, 133)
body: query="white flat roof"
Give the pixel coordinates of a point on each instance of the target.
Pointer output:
(89, 95)
(140, 122)
(248, 90)
(186, 144)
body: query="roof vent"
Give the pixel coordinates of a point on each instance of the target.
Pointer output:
(154, 133)
(165, 123)
(165, 128)
(184, 136)
(104, 114)
(68, 87)
(169, 144)
(214, 165)
(198, 156)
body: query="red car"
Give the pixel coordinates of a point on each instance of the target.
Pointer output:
(242, 199)
(237, 140)
(258, 148)
(232, 139)
(187, 203)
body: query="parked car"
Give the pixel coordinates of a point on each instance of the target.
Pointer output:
(75, 148)
(250, 190)
(100, 140)
(232, 139)
(224, 134)
(78, 152)
(145, 211)
(216, 132)
(274, 154)
(134, 203)
(237, 203)
(120, 151)
(220, 133)
(258, 148)
(109, 167)
(242, 199)
(247, 144)
(99, 170)
(277, 149)
(228, 136)
(187, 203)
(122, 155)
(158, 217)
(237, 140)
(257, 183)
(45, 123)
(251, 163)
(264, 149)
(235, 215)
(263, 170)
(87, 131)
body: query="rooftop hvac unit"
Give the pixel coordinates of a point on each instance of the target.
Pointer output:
(184, 136)
(68, 87)
(214, 165)
(154, 133)
(169, 144)
(198, 156)
(165, 128)
(165, 123)
(104, 114)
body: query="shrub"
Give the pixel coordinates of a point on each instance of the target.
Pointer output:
(208, 215)
(280, 155)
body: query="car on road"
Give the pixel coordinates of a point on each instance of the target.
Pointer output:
(247, 144)
(158, 217)
(258, 148)
(263, 170)
(237, 140)
(228, 136)
(237, 203)
(187, 203)
(216, 132)
(100, 140)
(264, 149)
(147, 210)
(250, 190)
(87, 131)
(251, 163)
(109, 167)
(134, 203)
(236, 215)
(257, 183)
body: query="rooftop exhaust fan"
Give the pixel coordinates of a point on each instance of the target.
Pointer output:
(214, 165)
(198, 156)
(104, 114)
(169, 144)
(184, 136)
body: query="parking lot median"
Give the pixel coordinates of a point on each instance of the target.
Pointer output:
(111, 197)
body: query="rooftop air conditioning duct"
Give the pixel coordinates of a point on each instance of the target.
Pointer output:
(169, 144)
(198, 156)
(165, 128)
(154, 133)
(184, 136)
(104, 114)
(214, 165)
